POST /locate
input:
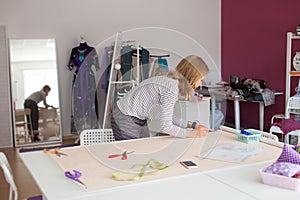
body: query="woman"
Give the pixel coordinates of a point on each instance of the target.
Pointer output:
(32, 102)
(130, 115)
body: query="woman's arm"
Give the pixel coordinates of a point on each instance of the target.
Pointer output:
(167, 103)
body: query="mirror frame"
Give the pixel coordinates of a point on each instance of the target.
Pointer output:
(14, 132)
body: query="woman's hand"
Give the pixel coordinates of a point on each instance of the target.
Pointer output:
(200, 132)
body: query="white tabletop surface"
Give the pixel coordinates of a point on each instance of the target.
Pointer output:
(55, 186)
(246, 178)
(229, 182)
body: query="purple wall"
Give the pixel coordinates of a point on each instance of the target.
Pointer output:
(254, 46)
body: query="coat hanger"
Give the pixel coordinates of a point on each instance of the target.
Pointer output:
(160, 56)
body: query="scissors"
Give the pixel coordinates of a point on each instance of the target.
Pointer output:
(124, 155)
(56, 151)
(75, 176)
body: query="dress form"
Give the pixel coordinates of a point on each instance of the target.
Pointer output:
(83, 59)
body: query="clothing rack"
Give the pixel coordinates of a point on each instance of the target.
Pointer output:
(128, 42)
(115, 61)
(155, 56)
(160, 56)
(117, 45)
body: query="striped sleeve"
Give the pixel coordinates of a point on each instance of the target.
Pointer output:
(168, 100)
(179, 122)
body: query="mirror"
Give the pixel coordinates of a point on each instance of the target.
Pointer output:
(33, 65)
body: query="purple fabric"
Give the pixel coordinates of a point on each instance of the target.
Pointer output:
(35, 198)
(105, 62)
(283, 168)
(287, 125)
(85, 59)
(289, 155)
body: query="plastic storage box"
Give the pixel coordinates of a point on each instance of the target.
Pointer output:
(280, 181)
(254, 137)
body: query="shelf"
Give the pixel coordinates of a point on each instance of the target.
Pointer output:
(295, 73)
(294, 36)
(290, 71)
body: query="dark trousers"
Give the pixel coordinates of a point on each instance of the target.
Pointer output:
(34, 115)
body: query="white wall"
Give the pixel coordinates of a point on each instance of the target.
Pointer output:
(5, 117)
(96, 20)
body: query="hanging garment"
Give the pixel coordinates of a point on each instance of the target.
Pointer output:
(151, 66)
(127, 62)
(160, 67)
(84, 58)
(128, 71)
(105, 65)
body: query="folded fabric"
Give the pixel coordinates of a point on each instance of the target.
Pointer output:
(288, 154)
(268, 97)
(283, 168)
(287, 125)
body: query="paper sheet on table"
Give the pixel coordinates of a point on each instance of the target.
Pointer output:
(231, 152)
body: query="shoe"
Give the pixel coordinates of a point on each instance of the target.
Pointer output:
(36, 138)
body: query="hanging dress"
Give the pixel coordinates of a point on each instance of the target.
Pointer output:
(85, 61)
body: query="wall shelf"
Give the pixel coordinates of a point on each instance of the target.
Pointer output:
(290, 72)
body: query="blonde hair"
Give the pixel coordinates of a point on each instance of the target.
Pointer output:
(184, 87)
(192, 68)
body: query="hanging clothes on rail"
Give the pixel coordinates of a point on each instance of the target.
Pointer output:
(160, 67)
(127, 64)
(131, 69)
(105, 65)
(84, 59)
(105, 60)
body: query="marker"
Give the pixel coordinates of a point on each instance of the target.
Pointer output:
(245, 132)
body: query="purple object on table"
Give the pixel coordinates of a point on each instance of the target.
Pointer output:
(289, 155)
(74, 176)
(283, 168)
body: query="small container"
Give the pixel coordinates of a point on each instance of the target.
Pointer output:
(280, 181)
(254, 137)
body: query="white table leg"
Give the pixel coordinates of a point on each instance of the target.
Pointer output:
(237, 113)
(261, 115)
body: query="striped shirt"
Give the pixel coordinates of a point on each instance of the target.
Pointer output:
(38, 96)
(156, 92)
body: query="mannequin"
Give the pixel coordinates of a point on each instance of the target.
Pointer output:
(84, 59)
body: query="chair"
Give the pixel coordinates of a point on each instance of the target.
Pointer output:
(270, 139)
(22, 122)
(292, 108)
(13, 191)
(96, 136)
(48, 123)
(268, 136)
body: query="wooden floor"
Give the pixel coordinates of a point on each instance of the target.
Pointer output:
(25, 183)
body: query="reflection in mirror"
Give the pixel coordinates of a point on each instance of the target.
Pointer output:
(33, 65)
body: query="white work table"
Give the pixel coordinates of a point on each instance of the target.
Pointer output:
(214, 93)
(212, 180)
(247, 179)
(54, 186)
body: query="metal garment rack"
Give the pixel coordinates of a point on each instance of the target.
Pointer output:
(112, 75)
(290, 73)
